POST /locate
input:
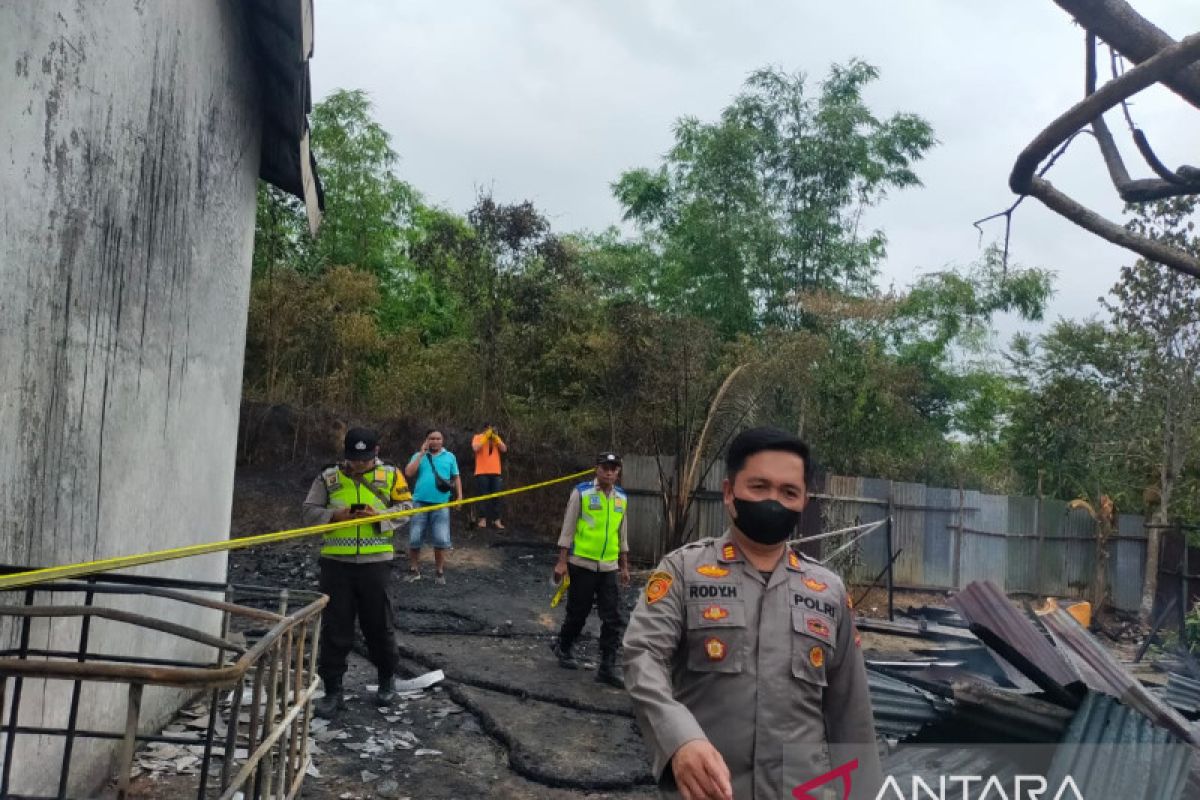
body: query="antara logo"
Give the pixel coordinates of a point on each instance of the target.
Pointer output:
(947, 787)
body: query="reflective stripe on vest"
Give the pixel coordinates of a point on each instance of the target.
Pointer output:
(360, 540)
(598, 529)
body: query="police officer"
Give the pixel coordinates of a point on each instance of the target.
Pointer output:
(356, 562)
(742, 659)
(593, 549)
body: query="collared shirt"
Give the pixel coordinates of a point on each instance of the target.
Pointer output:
(767, 668)
(567, 535)
(425, 489)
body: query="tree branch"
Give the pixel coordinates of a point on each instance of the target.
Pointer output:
(1086, 218)
(1134, 37)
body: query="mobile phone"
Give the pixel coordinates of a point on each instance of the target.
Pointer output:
(358, 507)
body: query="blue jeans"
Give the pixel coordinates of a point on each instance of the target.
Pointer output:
(435, 523)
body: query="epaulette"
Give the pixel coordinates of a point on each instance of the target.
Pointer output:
(329, 474)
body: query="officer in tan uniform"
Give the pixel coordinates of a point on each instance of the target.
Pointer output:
(742, 658)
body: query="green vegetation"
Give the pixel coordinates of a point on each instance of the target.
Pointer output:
(743, 291)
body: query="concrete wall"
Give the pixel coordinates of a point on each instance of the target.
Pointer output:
(129, 144)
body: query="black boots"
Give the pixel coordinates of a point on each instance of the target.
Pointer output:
(333, 702)
(565, 659)
(387, 691)
(609, 672)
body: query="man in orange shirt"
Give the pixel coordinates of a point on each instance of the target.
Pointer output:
(488, 446)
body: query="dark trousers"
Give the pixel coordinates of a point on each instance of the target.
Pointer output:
(487, 484)
(586, 588)
(356, 591)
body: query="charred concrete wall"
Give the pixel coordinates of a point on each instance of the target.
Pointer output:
(129, 150)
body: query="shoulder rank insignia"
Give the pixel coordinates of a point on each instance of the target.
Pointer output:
(712, 571)
(715, 649)
(815, 585)
(331, 478)
(729, 553)
(816, 656)
(658, 586)
(793, 559)
(715, 613)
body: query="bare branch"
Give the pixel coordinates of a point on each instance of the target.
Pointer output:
(1086, 111)
(1086, 218)
(1135, 37)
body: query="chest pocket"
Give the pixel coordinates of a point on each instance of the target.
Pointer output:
(813, 636)
(716, 635)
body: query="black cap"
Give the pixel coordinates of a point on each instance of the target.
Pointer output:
(361, 444)
(608, 457)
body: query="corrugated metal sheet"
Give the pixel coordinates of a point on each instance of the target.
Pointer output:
(1103, 673)
(938, 564)
(1022, 546)
(985, 556)
(1008, 631)
(908, 534)
(1127, 565)
(1005, 716)
(1080, 552)
(1111, 751)
(901, 709)
(1183, 693)
(929, 537)
(1054, 550)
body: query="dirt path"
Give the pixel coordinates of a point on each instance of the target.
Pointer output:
(507, 722)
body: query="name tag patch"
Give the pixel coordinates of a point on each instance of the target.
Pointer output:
(723, 591)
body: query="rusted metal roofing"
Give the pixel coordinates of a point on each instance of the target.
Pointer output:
(1018, 639)
(1112, 751)
(999, 715)
(1103, 673)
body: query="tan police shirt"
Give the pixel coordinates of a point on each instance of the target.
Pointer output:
(768, 669)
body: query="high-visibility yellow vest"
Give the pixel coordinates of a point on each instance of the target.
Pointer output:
(385, 481)
(598, 529)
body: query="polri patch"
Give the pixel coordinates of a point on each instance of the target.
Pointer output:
(715, 613)
(715, 649)
(658, 586)
(595, 503)
(712, 571)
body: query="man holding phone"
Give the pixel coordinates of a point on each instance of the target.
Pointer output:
(435, 470)
(356, 562)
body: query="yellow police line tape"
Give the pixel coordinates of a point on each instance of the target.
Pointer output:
(33, 577)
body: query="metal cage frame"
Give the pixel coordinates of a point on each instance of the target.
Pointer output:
(278, 671)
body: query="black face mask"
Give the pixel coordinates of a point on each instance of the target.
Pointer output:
(765, 521)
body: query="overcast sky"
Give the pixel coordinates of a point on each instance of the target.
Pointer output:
(550, 100)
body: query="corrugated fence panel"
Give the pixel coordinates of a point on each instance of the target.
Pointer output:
(639, 477)
(1022, 545)
(1127, 564)
(985, 543)
(1054, 550)
(1079, 532)
(995, 545)
(908, 534)
(937, 564)
(709, 509)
